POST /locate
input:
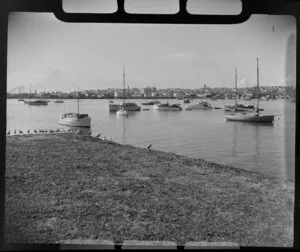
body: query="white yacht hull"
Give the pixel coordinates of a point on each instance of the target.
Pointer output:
(76, 122)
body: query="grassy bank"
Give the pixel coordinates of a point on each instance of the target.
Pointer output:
(65, 186)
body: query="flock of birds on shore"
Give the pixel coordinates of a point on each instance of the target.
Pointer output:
(59, 130)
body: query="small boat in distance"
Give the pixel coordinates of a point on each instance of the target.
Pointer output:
(251, 117)
(128, 106)
(75, 119)
(201, 105)
(150, 103)
(58, 101)
(122, 111)
(37, 102)
(167, 107)
(238, 107)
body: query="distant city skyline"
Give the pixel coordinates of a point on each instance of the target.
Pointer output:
(52, 55)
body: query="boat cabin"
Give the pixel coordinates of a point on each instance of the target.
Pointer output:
(74, 115)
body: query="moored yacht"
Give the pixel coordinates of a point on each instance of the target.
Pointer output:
(37, 102)
(201, 105)
(129, 106)
(151, 102)
(251, 117)
(167, 107)
(238, 107)
(75, 119)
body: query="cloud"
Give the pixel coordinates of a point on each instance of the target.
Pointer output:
(179, 56)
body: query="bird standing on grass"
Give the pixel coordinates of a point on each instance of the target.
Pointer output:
(149, 146)
(35, 131)
(15, 132)
(20, 131)
(28, 131)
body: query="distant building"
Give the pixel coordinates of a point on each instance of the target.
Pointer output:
(179, 94)
(169, 93)
(146, 92)
(119, 94)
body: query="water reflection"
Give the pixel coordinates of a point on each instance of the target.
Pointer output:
(248, 141)
(112, 114)
(122, 122)
(257, 145)
(234, 139)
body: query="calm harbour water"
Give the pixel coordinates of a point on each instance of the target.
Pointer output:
(266, 148)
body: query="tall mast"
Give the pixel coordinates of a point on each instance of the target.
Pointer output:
(123, 83)
(78, 101)
(235, 86)
(30, 92)
(257, 85)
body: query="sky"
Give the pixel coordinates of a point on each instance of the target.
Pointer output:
(52, 55)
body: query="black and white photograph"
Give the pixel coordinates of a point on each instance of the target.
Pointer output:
(146, 133)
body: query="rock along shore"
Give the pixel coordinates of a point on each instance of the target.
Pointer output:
(67, 186)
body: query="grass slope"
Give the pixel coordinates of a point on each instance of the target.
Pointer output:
(64, 186)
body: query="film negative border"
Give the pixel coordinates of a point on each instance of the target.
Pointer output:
(274, 7)
(125, 245)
